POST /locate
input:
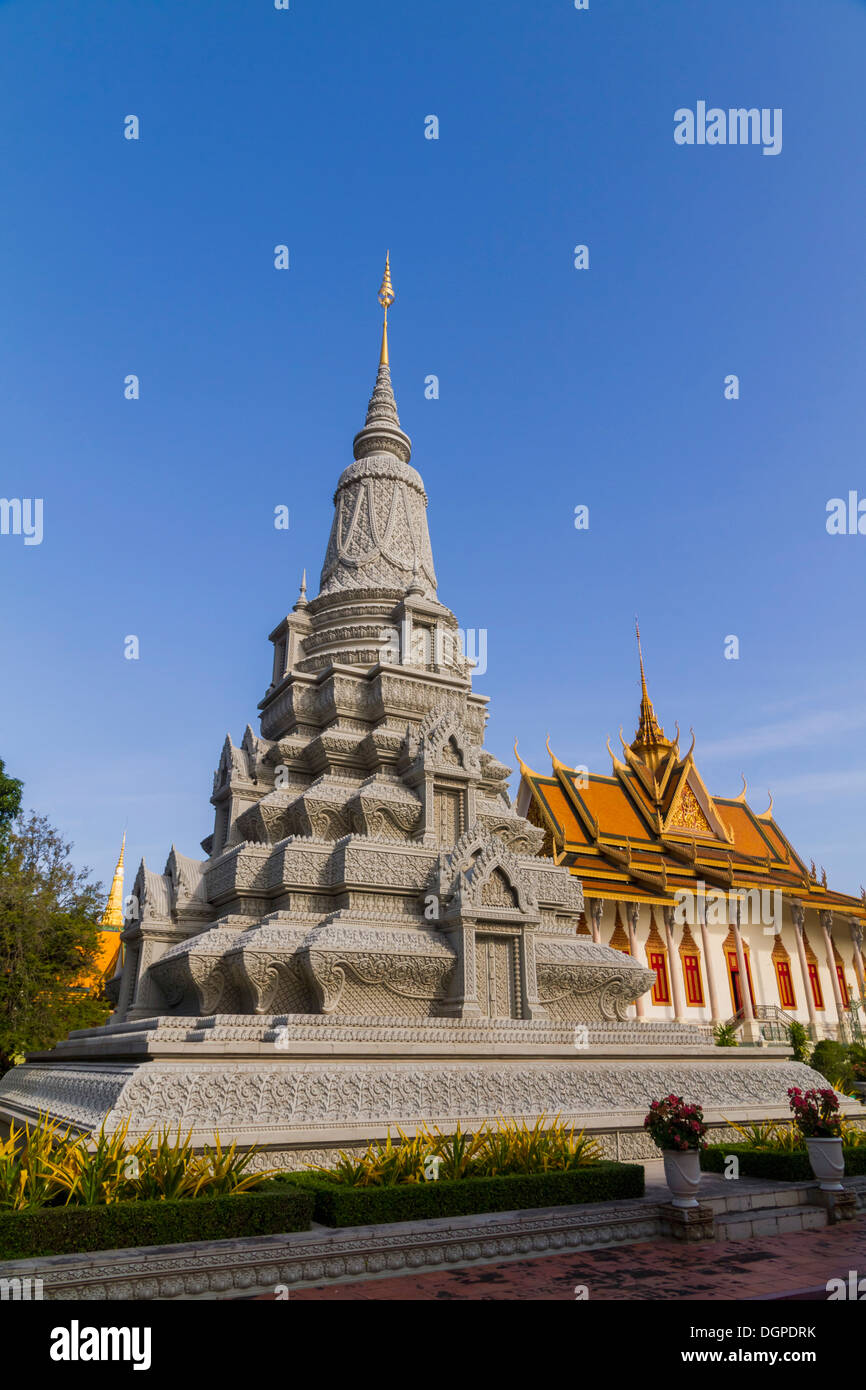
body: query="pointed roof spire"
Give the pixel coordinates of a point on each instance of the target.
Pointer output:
(382, 433)
(640, 654)
(386, 298)
(650, 742)
(113, 914)
(416, 587)
(301, 601)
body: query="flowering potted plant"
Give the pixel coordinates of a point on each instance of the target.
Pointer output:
(679, 1131)
(816, 1115)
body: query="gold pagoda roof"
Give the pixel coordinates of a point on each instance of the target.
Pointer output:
(652, 828)
(111, 925)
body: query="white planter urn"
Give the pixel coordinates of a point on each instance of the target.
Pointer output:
(828, 1163)
(683, 1175)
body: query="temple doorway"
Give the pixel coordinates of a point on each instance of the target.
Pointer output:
(496, 976)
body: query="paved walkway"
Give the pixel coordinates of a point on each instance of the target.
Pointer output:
(785, 1266)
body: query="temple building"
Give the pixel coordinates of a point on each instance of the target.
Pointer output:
(702, 889)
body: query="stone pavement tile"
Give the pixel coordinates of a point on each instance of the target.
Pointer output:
(654, 1271)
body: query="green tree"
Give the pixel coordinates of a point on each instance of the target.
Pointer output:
(10, 801)
(48, 940)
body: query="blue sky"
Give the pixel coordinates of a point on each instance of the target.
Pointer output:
(558, 387)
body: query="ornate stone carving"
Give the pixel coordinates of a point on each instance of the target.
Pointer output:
(351, 945)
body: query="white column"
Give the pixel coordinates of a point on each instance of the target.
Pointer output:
(596, 912)
(798, 916)
(675, 966)
(857, 940)
(827, 927)
(715, 1016)
(751, 1031)
(633, 915)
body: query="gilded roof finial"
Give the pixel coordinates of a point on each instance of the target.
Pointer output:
(525, 770)
(382, 433)
(640, 655)
(650, 742)
(386, 299)
(113, 914)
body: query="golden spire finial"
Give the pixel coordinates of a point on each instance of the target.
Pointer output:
(640, 654)
(650, 742)
(386, 298)
(113, 914)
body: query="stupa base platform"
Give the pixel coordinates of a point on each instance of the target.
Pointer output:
(301, 1086)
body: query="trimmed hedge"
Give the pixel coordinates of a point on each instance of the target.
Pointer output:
(337, 1204)
(792, 1166)
(274, 1208)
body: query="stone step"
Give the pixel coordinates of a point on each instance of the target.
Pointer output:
(788, 1197)
(769, 1221)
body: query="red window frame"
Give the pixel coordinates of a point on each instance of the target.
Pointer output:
(733, 969)
(658, 961)
(815, 982)
(843, 986)
(692, 976)
(787, 997)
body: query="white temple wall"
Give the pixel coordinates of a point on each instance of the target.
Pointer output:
(760, 938)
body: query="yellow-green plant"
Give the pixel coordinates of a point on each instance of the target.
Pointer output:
(458, 1152)
(27, 1165)
(162, 1168)
(510, 1146)
(759, 1133)
(92, 1176)
(770, 1134)
(13, 1176)
(514, 1147)
(220, 1171)
(43, 1165)
(852, 1137)
(349, 1169)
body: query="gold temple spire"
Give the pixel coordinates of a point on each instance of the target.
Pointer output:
(650, 742)
(640, 655)
(113, 914)
(386, 298)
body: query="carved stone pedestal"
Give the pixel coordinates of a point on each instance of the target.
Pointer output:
(688, 1223)
(841, 1206)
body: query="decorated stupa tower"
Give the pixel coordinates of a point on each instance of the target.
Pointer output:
(373, 937)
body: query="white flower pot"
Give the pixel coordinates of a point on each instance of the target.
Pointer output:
(683, 1175)
(828, 1163)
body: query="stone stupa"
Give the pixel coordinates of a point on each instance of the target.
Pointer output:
(373, 940)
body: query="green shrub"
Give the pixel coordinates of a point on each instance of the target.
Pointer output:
(275, 1208)
(833, 1060)
(798, 1037)
(725, 1035)
(776, 1165)
(337, 1204)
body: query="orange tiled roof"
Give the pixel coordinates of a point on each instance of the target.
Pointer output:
(645, 831)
